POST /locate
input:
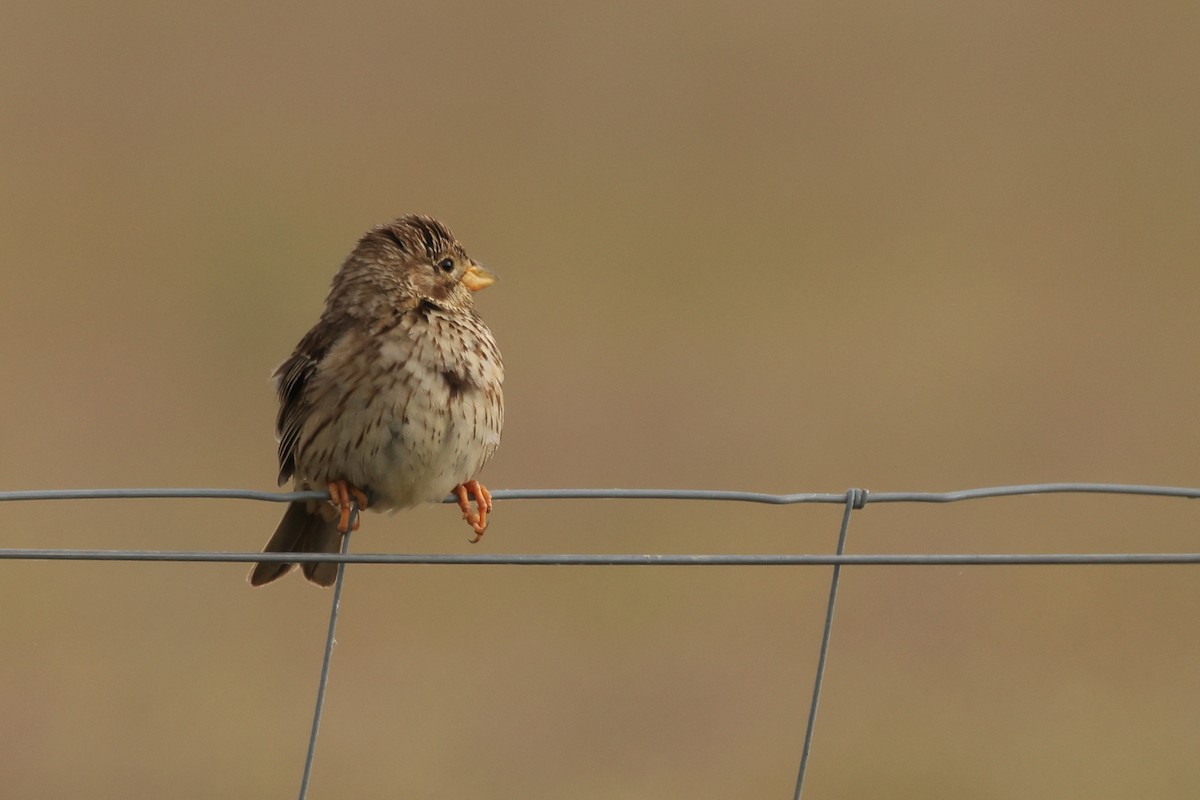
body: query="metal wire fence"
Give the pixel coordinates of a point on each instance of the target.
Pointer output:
(851, 501)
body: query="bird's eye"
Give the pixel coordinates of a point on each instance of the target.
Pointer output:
(446, 265)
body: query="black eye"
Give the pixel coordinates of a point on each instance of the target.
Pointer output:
(446, 265)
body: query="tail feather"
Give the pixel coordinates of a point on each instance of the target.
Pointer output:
(302, 530)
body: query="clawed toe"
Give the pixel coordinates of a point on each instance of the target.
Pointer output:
(343, 495)
(477, 517)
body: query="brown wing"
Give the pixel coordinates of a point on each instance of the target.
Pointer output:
(292, 378)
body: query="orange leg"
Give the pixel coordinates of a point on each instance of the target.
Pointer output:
(341, 494)
(483, 503)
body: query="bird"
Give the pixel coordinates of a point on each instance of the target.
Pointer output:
(393, 398)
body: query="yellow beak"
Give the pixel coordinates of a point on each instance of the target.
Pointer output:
(477, 277)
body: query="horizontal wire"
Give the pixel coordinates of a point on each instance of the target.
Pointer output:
(1031, 489)
(861, 497)
(619, 559)
(634, 494)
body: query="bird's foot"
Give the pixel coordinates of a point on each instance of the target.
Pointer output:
(483, 504)
(342, 495)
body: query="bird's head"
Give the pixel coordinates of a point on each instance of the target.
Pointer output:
(420, 257)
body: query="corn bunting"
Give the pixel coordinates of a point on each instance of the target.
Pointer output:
(393, 398)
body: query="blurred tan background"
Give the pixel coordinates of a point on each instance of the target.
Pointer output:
(776, 247)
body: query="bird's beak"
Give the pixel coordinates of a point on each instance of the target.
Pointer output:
(477, 277)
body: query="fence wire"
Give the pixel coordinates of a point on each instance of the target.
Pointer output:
(852, 500)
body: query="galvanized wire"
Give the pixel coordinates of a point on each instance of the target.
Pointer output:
(853, 499)
(864, 496)
(615, 559)
(858, 497)
(323, 682)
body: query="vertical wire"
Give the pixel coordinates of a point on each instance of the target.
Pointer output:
(854, 499)
(324, 682)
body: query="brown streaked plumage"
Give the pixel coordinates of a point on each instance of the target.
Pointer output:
(394, 397)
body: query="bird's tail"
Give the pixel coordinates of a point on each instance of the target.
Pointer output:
(303, 529)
